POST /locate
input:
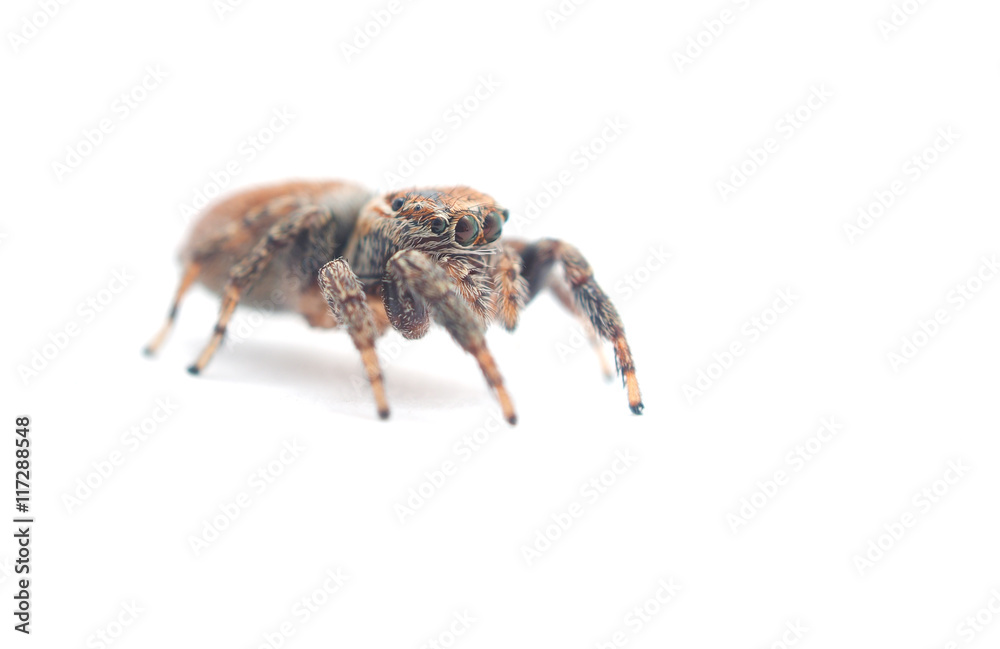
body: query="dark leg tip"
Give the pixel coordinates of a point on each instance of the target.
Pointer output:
(193, 370)
(383, 414)
(512, 420)
(637, 408)
(147, 351)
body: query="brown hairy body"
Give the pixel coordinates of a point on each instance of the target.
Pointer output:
(341, 256)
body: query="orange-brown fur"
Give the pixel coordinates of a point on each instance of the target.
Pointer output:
(225, 233)
(339, 256)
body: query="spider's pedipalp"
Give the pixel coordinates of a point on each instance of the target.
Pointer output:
(419, 275)
(407, 314)
(346, 297)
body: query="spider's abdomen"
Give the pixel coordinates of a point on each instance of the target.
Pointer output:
(227, 231)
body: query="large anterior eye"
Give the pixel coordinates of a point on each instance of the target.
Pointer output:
(492, 226)
(466, 231)
(397, 203)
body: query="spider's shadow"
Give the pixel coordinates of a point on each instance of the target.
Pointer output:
(337, 377)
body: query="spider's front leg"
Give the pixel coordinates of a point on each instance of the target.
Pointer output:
(513, 291)
(537, 260)
(346, 296)
(419, 279)
(564, 295)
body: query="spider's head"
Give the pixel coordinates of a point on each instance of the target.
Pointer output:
(447, 218)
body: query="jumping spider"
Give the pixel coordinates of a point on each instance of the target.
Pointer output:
(399, 260)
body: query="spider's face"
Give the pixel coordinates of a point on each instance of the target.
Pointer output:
(450, 217)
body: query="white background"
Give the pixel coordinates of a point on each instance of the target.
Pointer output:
(669, 516)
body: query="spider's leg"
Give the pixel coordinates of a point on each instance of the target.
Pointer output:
(346, 297)
(191, 271)
(565, 297)
(417, 274)
(513, 291)
(593, 303)
(205, 250)
(249, 268)
(510, 288)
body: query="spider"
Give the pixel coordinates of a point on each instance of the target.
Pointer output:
(399, 260)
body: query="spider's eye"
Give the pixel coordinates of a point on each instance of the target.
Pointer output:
(439, 224)
(506, 214)
(466, 231)
(492, 226)
(397, 203)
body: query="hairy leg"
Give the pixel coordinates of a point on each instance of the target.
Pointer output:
(514, 291)
(248, 269)
(510, 288)
(416, 274)
(538, 259)
(346, 297)
(565, 297)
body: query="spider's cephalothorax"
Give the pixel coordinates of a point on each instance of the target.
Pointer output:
(342, 257)
(457, 226)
